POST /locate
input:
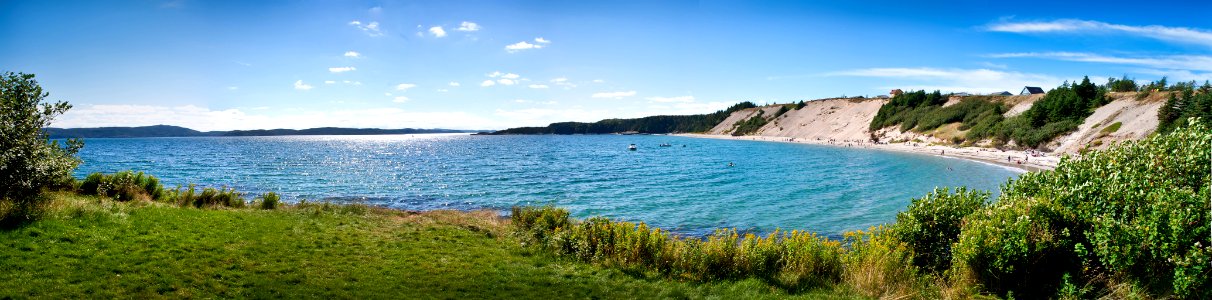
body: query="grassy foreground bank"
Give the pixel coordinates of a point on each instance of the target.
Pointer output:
(94, 247)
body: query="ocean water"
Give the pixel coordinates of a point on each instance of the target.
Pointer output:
(688, 188)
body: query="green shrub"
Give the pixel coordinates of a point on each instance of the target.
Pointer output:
(29, 162)
(750, 125)
(1136, 213)
(932, 223)
(878, 265)
(269, 200)
(793, 259)
(123, 186)
(1018, 246)
(1111, 128)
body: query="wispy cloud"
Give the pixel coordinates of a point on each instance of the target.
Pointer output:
(538, 86)
(453, 83)
(541, 40)
(563, 82)
(1178, 35)
(488, 83)
(468, 26)
(405, 86)
(681, 99)
(437, 31)
(616, 95)
(352, 54)
(400, 99)
(341, 69)
(953, 80)
(371, 29)
(299, 85)
(1176, 62)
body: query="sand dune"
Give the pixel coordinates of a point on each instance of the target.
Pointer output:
(845, 122)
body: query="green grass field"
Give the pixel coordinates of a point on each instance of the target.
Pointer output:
(86, 247)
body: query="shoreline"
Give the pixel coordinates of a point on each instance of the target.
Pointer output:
(1017, 159)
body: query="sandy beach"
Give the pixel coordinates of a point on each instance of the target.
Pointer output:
(1011, 158)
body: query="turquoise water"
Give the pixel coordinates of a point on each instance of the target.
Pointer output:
(688, 188)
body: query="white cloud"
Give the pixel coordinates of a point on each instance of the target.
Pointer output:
(510, 76)
(598, 81)
(563, 82)
(494, 74)
(371, 29)
(454, 83)
(541, 40)
(679, 99)
(506, 81)
(352, 82)
(954, 80)
(468, 26)
(329, 82)
(1178, 35)
(443, 90)
(206, 119)
(352, 54)
(341, 69)
(1176, 62)
(488, 83)
(405, 86)
(538, 86)
(387, 94)
(299, 85)
(400, 99)
(616, 95)
(437, 31)
(519, 46)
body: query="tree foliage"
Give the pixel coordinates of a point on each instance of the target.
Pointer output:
(1060, 111)
(29, 162)
(1187, 102)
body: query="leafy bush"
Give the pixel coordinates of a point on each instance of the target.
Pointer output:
(1018, 246)
(879, 265)
(1112, 128)
(793, 259)
(269, 200)
(932, 224)
(28, 161)
(750, 125)
(123, 186)
(209, 197)
(1137, 212)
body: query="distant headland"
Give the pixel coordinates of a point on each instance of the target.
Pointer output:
(177, 131)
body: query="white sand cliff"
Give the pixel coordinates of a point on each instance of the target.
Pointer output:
(845, 122)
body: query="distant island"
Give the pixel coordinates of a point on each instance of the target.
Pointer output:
(177, 131)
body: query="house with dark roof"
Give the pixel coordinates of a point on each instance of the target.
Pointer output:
(1031, 90)
(1002, 93)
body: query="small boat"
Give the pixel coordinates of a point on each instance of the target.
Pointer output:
(666, 145)
(631, 147)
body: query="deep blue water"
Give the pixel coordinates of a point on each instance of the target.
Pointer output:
(688, 188)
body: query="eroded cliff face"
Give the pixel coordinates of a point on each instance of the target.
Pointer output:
(848, 120)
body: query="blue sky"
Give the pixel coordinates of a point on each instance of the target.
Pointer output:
(222, 65)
